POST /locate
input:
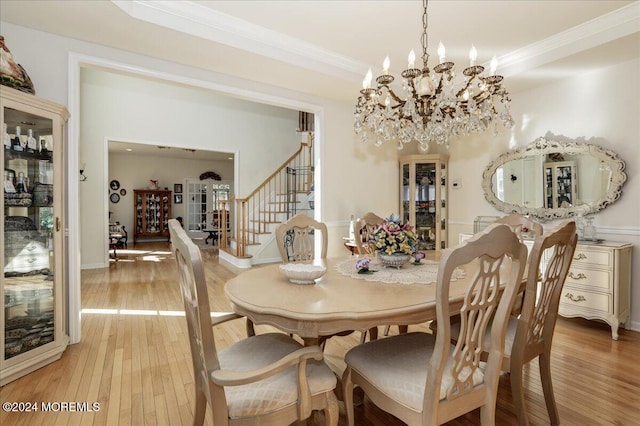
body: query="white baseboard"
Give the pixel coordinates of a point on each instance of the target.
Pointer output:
(94, 265)
(633, 326)
(235, 262)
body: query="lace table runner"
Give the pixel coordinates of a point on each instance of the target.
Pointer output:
(424, 273)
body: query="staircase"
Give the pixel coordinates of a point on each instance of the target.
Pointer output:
(286, 192)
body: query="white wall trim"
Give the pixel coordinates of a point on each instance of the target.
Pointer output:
(73, 203)
(603, 29)
(75, 62)
(210, 24)
(94, 266)
(618, 231)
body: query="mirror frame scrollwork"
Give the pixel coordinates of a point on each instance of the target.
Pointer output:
(543, 146)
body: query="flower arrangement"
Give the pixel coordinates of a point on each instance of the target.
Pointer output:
(391, 236)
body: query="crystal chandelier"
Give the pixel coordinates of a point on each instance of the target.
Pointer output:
(436, 106)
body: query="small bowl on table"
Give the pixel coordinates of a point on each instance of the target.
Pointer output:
(303, 273)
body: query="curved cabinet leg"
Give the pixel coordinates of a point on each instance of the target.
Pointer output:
(615, 325)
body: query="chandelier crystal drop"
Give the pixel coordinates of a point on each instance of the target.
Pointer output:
(436, 106)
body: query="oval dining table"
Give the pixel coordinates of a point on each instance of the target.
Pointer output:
(337, 302)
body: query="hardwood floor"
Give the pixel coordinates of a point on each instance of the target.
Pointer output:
(134, 358)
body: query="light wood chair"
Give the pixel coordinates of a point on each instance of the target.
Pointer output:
(295, 238)
(529, 336)
(425, 380)
(363, 230)
(267, 379)
(520, 224)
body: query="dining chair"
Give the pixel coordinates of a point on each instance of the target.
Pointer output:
(363, 230)
(295, 238)
(266, 379)
(530, 334)
(424, 379)
(521, 224)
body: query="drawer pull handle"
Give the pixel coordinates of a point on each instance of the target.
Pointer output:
(571, 297)
(580, 276)
(580, 256)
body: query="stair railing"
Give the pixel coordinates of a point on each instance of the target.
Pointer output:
(266, 204)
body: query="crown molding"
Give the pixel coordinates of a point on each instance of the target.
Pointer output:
(603, 29)
(200, 21)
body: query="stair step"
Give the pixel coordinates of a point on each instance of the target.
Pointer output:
(297, 191)
(232, 252)
(249, 244)
(265, 221)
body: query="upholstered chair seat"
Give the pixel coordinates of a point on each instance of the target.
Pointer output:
(276, 392)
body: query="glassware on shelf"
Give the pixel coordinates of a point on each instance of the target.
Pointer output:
(589, 231)
(17, 140)
(32, 143)
(6, 137)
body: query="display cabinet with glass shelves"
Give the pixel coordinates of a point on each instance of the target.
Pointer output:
(33, 283)
(152, 211)
(560, 184)
(423, 201)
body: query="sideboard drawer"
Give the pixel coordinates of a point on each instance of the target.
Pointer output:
(576, 298)
(587, 257)
(590, 278)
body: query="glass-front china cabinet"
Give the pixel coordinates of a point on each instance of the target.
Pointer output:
(560, 184)
(423, 201)
(152, 211)
(33, 284)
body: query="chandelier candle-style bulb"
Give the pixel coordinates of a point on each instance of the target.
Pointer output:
(412, 59)
(493, 66)
(441, 52)
(366, 83)
(385, 66)
(473, 55)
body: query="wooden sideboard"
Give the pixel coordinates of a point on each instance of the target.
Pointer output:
(598, 285)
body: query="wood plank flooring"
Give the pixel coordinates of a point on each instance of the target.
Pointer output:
(134, 358)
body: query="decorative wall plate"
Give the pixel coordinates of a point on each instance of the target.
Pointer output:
(114, 197)
(123, 192)
(114, 184)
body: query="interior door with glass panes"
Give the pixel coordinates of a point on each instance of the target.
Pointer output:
(204, 206)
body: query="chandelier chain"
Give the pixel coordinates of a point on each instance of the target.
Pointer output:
(425, 37)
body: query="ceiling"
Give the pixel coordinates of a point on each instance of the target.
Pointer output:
(170, 152)
(325, 47)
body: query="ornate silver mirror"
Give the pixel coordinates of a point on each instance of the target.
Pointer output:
(551, 179)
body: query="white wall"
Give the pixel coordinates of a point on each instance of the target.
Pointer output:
(124, 108)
